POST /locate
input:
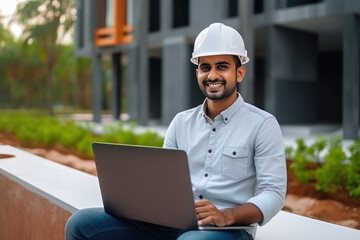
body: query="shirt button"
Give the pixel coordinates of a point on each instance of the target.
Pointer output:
(226, 119)
(201, 197)
(206, 175)
(209, 151)
(234, 153)
(214, 129)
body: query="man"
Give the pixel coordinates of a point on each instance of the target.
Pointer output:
(235, 152)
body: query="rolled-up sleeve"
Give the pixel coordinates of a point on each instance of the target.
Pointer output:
(271, 178)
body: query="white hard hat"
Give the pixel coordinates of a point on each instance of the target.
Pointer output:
(219, 39)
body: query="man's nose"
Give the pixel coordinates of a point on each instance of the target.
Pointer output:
(213, 75)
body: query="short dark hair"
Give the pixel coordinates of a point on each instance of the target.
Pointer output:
(237, 61)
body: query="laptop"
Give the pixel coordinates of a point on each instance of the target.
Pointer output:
(148, 184)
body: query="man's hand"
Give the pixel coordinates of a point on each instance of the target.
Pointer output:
(244, 214)
(207, 213)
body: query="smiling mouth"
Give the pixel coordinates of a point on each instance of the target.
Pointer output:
(214, 84)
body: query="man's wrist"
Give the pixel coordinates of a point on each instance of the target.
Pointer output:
(229, 217)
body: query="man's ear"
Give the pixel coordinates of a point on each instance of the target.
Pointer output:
(240, 73)
(197, 72)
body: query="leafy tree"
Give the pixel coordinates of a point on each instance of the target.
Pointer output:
(46, 22)
(35, 75)
(5, 34)
(10, 61)
(6, 38)
(83, 86)
(22, 75)
(65, 75)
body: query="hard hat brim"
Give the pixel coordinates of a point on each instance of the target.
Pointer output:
(243, 59)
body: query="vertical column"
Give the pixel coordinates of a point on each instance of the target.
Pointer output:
(97, 87)
(246, 10)
(116, 85)
(269, 8)
(175, 77)
(291, 75)
(351, 76)
(133, 82)
(211, 11)
(166, 15)
(144, 59)
(138, 67)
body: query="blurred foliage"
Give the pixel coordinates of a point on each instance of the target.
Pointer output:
(39, 71)
(45, 23)
(5, 34)
(23, 79)
(337, 171)
(331, 175)
(49, 131)
(353, 170)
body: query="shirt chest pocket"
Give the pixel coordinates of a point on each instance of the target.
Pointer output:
(234, 162)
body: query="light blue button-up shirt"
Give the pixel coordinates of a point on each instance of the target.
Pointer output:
(237, 158)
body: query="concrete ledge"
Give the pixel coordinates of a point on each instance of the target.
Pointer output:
(38, 196)
(27, 215)
(288, 226)
(65, 186)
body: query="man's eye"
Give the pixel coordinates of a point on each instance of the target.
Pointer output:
(204, 68)
(222, 67)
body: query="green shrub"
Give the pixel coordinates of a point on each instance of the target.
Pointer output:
(49, 131)
(84, 145)
(338, 171)
(330, 176)
(353, 170)
(300, 163)
(72, 134)
(150, 139)
(300, 168)
(289, 151)
(316, 148)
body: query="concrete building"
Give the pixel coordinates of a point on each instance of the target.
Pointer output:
(304, 68)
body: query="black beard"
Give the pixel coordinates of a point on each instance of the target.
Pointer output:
(226, 93)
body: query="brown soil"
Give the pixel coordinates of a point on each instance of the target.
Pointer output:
(301, 199)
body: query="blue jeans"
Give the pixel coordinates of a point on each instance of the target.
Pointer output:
(95, 224)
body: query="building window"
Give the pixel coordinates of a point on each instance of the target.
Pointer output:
(109, 13)
(301, 2)
(232, 8)
(180, 13)
(258, 6)
(293, 3)
(154, 15)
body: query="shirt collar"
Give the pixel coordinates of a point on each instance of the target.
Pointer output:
(228, 113)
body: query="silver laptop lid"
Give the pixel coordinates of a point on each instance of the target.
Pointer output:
(146, 183)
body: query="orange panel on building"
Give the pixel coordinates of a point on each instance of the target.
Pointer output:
(119, 33)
